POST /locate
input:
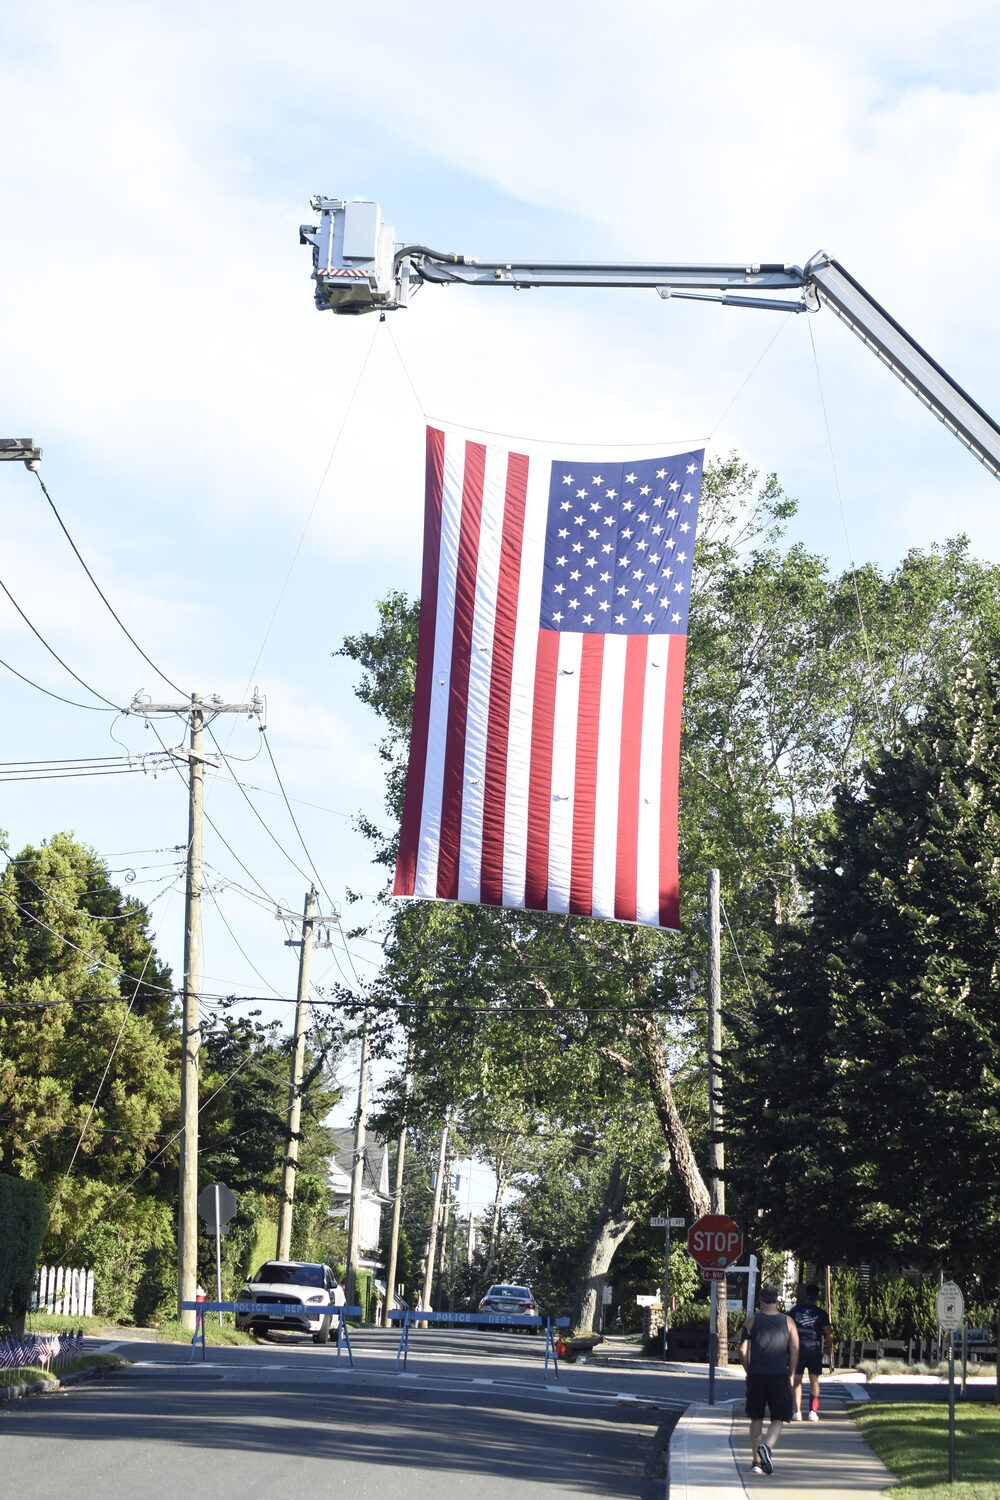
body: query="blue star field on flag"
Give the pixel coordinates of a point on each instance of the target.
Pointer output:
(619, 546)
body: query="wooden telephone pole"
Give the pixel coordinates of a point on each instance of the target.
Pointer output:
(199, 711)
(305, 945)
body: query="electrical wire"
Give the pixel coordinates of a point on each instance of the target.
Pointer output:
(54, 770)
(311, 862)
(104, 598)
(260, 819)
(215, 829)
(52, 652)
(91, 707)
(263, 979)
(309, 859)
(66, 760)
(107, 1070)
(77, 775)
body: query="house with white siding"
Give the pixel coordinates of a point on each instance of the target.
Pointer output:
(375, 1193)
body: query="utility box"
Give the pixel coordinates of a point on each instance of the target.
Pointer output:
(353, 255)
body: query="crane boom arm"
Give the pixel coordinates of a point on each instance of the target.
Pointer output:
(358, 267)
(904, 357)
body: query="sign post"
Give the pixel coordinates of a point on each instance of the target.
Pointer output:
(949, 1304)
(217, 1204)
(714, 1242)
(666, 1225)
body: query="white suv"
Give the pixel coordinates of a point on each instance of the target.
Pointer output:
(293, 1286)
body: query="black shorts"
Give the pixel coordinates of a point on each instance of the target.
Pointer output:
(811, 1360)
(769, 1394)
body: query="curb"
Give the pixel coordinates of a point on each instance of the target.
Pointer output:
(700, 1462)
(39, 1387)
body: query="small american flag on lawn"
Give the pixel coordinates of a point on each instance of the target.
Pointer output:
(546, 732)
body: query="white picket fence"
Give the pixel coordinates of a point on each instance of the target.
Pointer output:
(64, 1291)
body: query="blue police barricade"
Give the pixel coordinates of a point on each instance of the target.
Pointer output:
(408, 1318)
(269, 1310)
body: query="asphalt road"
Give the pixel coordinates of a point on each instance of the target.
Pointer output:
(471, 1416)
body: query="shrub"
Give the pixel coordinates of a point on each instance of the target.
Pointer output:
(23, 1221)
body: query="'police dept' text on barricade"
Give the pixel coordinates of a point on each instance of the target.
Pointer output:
(408, 1318)
(272, 1310)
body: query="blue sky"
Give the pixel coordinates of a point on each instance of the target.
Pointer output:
(244, 475)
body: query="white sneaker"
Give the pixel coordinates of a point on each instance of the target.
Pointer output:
(814, 1416)
(796, 1416)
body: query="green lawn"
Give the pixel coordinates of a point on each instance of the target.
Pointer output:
(912, 1440)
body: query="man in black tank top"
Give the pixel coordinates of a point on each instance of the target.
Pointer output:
(769, 1352)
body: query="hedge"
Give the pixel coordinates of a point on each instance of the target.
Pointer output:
(24, 1217)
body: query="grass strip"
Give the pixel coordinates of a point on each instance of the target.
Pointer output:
(911, 1438)
(32, 1374)
(169, 1331)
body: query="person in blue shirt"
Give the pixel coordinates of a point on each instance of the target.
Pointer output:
(815, 1334)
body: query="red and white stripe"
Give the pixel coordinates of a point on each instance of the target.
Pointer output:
(543, 766)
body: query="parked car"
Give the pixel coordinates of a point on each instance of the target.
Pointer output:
(293, 1286)
(503, 1297)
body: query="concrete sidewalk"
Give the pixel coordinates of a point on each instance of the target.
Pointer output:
(827, 1460)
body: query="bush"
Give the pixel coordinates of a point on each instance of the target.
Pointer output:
(23, 1221)
(886, 1305)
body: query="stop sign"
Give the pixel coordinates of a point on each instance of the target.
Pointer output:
(714, 1241)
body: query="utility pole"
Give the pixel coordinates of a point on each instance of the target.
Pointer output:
(357, 1173)
(197, 709)
(454, 1247)
(447, 1217)
(435, 1212)
(290, 1165)
(716, 1158)
(397, 1209)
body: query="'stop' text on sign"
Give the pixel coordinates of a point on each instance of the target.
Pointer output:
(715, 1241)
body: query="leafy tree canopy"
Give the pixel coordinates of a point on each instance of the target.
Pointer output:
(866, 1092)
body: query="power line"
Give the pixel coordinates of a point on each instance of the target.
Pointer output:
(260, 819)
(295, 825)
(118, 621)
(214, 827)
(56, 770)
(92, 707)
(76, 775)
(312, 864)
(237, 942)
(52, 652)
(67, 760)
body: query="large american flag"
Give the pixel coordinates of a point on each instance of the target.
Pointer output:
(546, 730)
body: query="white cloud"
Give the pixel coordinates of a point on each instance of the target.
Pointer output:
(245, 476)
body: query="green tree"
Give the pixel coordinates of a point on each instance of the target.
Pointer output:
(869, 1106)
(23, 1216)
(87, 1064)
(244, 1123)
(793, 677)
